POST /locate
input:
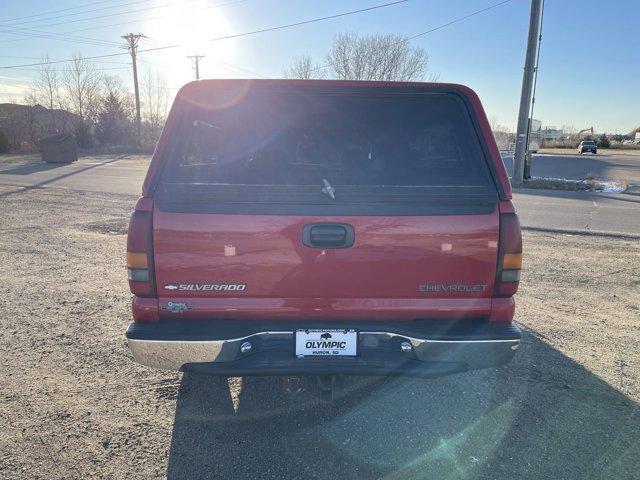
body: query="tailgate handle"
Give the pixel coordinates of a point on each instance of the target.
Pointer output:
(328, 235)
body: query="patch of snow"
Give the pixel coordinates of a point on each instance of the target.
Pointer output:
(610, 187)
(558, 179)
(598, 185)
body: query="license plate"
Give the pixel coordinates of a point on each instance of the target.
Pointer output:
(326, 343)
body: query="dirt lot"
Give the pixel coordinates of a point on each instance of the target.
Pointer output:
(73, 405)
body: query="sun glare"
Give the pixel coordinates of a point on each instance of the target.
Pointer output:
(191, 25)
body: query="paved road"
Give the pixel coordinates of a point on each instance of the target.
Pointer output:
(604, 167)
(537, 208)
(104, 173)
(578, 210)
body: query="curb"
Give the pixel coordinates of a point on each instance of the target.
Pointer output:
(587, 233)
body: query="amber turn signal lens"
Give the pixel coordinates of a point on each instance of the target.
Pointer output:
(137, 260)
(512, 261)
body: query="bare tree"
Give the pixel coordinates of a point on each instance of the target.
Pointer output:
(155, 98)
(82, 82)
(304, 67)
(30, 98)
(47, 91)
(47, 84)
(376, 57)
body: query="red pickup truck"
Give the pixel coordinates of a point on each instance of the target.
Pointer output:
(303, 227)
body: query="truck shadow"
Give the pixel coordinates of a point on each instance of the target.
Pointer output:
(542, 416)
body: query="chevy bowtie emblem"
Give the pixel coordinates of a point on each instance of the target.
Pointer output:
(206, 287)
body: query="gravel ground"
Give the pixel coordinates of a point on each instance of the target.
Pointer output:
(74, 405)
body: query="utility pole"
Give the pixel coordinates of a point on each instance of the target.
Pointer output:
(525, 96)
(132, 45)
(196, 61)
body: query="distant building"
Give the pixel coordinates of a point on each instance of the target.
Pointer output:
(552, 133)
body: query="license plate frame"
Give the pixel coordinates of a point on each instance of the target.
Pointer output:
(326, 342)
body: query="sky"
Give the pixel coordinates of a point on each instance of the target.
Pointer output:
(589, 59)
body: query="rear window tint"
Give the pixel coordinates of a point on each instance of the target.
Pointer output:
(340, 148)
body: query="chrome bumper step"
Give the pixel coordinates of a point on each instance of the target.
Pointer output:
(177, 354)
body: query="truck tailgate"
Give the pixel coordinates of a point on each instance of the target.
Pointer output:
(257, 266)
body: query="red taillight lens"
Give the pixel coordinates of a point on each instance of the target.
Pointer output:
(509, 256)
(140, 255)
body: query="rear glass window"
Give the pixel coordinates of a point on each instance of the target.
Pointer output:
(298, 147)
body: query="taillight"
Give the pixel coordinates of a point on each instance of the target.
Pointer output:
(509, 256)
(140, 254)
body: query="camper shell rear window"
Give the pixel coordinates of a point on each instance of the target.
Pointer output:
(298, 146)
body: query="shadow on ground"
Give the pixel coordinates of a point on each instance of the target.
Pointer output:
(542, 416)
(33, 167)
(39, 167)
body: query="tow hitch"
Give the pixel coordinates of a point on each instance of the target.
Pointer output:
(325, 385)
(294, 384)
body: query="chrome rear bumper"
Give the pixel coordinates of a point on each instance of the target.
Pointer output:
(174, 354)
(272, 353)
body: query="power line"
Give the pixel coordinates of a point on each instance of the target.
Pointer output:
(150, 18)
(305, 22)
(222, 64)
(90, 41)
(288, 25)
(157, 65)
(231, 67)
(115, 14)
(94, 57)
(6, 20)
(31, 33)
(459, 19)
(76, 13)
(18, 56)
(279, 27)
(37, 69)
(101, 69)
(239, 35)
(439, 27)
